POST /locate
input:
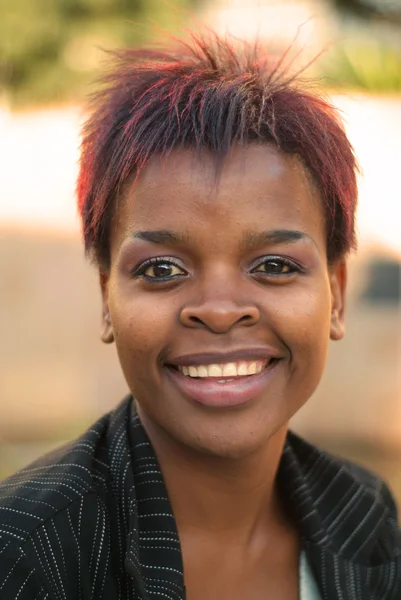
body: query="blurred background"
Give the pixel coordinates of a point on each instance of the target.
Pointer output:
(55, 375)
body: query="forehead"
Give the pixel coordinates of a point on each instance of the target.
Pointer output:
(256, 186)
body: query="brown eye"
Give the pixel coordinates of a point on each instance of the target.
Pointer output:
(162, 270)
(276, 266)
(159, 269)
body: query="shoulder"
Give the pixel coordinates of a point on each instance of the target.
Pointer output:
(57, 481)
(55, 515)
(50, 484)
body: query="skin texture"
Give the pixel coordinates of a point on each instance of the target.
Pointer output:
(219, 464)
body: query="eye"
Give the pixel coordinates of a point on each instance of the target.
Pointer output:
(277, 266)
(159, 269)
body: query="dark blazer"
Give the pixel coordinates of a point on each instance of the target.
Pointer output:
(93, 520)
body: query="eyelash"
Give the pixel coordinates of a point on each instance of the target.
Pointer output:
(286, 262)
(158, 260)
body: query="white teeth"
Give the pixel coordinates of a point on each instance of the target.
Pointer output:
(242, 369)
(253, 368)
(226, 370)
(229, 370)
(193, 371)
(215, 371)
(202, 371)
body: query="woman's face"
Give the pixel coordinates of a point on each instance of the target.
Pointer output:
(219, 296)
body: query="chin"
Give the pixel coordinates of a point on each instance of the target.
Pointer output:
(228, 449)
(229, 433)
(232, 438)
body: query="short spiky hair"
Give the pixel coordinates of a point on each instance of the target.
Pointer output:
(208, 95)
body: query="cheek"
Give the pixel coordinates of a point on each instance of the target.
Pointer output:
(303, 318)
(142, 324)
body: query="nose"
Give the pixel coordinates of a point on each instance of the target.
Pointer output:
(219, 315)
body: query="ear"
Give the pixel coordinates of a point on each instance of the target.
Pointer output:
(107, 334)
(338, 285)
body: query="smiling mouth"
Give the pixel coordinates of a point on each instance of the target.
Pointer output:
(225, 372)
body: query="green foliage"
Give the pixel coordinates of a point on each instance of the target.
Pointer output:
(50, 50)
(387, 10)
(369, 65)
(369, 59)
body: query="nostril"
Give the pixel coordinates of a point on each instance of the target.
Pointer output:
(218, 317)
(196, 320)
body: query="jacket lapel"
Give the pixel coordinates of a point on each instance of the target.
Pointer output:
(154, 551)
(337, 578)
(350, 537)
(341, 579)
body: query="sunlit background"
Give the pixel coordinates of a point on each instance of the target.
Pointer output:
(55, 375)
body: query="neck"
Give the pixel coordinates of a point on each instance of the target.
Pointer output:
(222, 498)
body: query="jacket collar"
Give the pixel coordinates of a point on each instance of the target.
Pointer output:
(328, 498)
(153, 551)
(331, 498)
(347, 521)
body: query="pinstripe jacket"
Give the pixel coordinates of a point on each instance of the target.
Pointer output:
(93, 520)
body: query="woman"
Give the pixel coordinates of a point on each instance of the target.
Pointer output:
(217, 200)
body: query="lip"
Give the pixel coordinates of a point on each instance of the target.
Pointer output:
(208, 358)
(210, 393)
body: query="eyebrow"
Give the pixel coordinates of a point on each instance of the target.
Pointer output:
(162, 236)
(251, 239)
(275, 237)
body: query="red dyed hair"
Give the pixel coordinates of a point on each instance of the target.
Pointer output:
(208, 95)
